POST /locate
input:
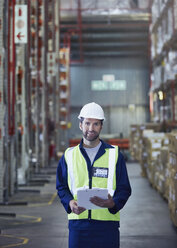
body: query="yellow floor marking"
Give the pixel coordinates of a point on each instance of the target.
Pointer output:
(37, 205)
(34, 219)
(25, 241)
(52, 199)
(44, 204)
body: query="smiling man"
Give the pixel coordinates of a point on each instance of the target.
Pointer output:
(93, 164)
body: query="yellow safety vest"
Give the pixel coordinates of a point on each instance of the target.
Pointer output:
(78, 177)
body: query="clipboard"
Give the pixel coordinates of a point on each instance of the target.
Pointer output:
(83, 197)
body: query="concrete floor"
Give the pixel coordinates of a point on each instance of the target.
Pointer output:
(145, 221)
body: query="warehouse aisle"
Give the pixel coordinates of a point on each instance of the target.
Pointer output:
(42, 223)
(145, 221)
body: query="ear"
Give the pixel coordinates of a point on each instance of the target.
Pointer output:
(101, 125)
(80, 125)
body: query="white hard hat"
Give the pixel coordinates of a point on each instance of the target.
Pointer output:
(92, 110)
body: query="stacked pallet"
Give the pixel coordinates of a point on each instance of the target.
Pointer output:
(161, 178)
(157, 154)
(137, 146)
(172, 172)
(152, 149)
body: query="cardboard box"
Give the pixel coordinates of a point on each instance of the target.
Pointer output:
(151, 169)
(172, 142)
(161, 184)
(173, 160)
(166, 192)
(173, 192)
(156, 179)
(164, 155)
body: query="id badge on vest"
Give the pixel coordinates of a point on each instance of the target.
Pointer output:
(100, 172)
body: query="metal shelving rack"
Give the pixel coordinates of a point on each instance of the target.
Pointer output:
(53, 76)
(2, 169)
(64, 95)
(9, 159)
(45, 47)
(29, 107)
(164, 88)
(164, 58)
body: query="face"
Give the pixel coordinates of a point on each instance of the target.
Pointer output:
(91, 128)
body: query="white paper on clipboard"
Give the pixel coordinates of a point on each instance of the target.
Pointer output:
(83, 197)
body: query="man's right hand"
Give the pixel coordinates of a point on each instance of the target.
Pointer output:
(75, 208)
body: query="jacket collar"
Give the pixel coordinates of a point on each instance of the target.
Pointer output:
(101, 151)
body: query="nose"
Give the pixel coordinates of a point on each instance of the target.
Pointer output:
(91, 127)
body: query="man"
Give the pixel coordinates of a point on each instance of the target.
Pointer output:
(93, 163)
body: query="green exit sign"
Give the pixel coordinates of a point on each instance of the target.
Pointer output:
(106, 85)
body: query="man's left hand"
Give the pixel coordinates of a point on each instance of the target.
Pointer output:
(103, 203)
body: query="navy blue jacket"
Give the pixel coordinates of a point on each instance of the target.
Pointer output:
(121, 194)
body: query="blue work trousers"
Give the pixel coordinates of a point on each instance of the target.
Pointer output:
(94, 238)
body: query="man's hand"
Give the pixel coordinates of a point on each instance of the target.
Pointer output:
(108, 203)
(75, 208)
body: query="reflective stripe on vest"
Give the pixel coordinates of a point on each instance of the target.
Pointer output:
(78, 177)
(112, 163)
(70, 171)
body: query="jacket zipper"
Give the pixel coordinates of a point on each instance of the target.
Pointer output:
(90, 187)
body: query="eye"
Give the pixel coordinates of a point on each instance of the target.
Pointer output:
(97, 124)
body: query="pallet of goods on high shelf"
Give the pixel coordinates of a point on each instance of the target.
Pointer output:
(175, 14)
(175, 108)
(164, 26)
(64, 87)
(157, 77)
(164, 93)
(169, 66)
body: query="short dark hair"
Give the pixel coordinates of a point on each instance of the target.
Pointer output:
(81, 119)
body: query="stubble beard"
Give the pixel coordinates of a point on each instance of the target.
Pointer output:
(93, 138)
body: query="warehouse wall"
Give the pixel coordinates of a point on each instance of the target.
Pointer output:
(123, 107)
